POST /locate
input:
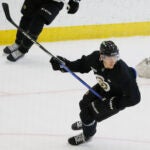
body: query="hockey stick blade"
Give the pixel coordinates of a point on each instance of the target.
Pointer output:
(6, 11)
(7, 14)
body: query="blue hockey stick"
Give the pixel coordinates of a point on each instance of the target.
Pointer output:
(62, 64)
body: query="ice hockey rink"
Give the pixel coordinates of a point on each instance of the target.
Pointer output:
(38, 105)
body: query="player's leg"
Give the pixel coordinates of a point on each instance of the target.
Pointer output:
(90, 117)
(26, 43)
(28, 9)
(87, 123)
(88, 126)
(45, 15)
(85, 102)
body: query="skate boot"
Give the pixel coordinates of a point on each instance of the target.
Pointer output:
(78, 139)
(14, 56)
(77, 125)
(11, 48)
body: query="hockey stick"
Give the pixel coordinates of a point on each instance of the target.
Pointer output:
(62, 64)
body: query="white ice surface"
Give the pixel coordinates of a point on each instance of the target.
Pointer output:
(38, 105)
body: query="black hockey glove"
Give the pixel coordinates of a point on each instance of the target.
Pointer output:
(73, 6)
(56, 65)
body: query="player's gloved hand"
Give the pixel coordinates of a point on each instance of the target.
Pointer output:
(56, 65)
(73, 6)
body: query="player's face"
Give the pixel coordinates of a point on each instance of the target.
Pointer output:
(109, 61)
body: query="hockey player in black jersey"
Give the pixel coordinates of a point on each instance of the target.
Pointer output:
(116, 84)
(36, 13)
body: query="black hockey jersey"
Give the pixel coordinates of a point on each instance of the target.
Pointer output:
(119, 81)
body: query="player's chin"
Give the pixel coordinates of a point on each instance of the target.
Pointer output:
(111, 66)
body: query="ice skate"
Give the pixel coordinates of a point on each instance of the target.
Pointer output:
(78, 139)
(77, 125)
(11, 48)
(14, 56)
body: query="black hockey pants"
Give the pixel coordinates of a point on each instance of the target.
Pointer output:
(35, 15)
(88, 116)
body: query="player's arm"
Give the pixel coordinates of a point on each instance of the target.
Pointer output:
(130, 91)
(81, 65)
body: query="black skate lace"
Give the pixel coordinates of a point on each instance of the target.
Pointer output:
(79, 138)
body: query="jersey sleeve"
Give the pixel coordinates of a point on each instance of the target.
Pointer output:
(130, 91)
(82, 65)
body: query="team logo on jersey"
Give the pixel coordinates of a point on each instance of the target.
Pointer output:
(103, 84)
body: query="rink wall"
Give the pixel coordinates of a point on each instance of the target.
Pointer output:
(95, 19)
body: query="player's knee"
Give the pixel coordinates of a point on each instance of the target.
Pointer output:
(86, 116)
(83, 104)
(86, 100)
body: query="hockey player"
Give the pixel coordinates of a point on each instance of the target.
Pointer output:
(116, 84)
(36, 13)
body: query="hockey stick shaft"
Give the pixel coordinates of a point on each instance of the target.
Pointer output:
(62, 64)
